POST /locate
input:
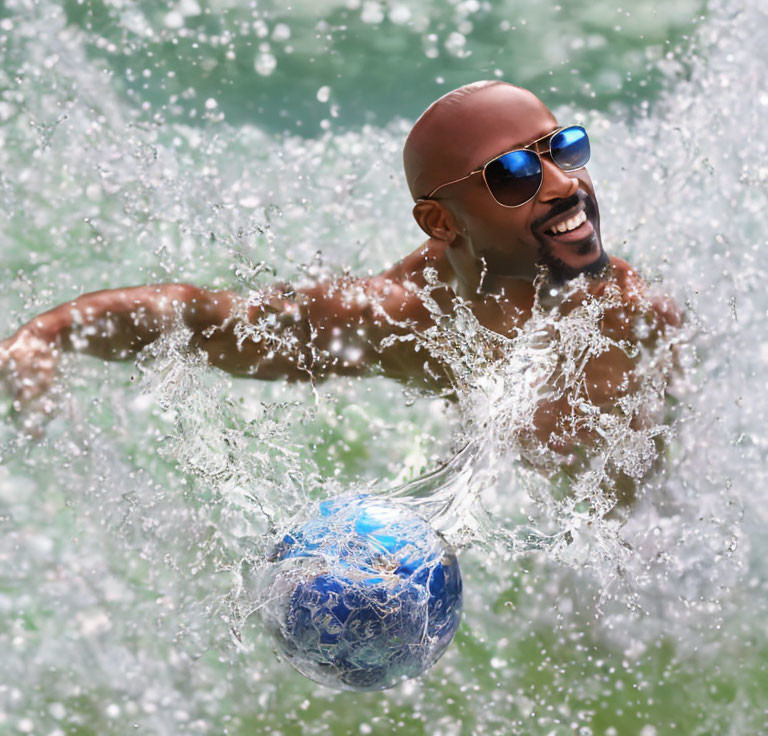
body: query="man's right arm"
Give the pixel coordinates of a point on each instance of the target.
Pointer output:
(338, 326)
(116, 324)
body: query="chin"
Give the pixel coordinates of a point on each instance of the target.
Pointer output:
(562, 271)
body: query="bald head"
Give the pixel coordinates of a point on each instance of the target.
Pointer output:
(463, 128)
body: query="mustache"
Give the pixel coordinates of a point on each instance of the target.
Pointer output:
(558, 208)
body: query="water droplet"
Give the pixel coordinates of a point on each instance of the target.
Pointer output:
(372, 13)
(265, 64)
(281, 32)
(400, 14)
(189, 7)
(174, 19)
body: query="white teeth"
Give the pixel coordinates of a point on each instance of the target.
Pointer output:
(571, 224)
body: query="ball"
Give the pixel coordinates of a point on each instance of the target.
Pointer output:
(362, 594)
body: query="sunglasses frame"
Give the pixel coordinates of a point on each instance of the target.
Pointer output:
(539, 153)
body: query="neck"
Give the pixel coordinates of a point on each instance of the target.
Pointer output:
(504, 283)
(475, 280)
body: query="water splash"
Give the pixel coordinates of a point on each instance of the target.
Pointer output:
(127, 539)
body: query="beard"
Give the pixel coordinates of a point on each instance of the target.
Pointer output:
(561, 272)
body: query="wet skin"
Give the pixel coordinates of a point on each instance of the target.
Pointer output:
(511, 241)
(481, 251)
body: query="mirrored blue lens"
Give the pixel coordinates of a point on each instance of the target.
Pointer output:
(514, 177)
(569, 148)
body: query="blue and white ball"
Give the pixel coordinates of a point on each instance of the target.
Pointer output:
(363, 593)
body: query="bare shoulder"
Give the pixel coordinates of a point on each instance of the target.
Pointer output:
(430, 254)
(406, 280)
(660, 308)
(622, 270)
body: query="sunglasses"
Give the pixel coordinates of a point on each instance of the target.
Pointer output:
(515, 177)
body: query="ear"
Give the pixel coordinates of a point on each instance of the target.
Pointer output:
(435, 220)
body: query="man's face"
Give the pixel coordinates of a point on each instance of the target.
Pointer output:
(512, 241)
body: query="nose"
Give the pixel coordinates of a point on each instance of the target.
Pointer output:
(555, 184)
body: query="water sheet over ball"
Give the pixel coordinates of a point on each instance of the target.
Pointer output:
(363, 593)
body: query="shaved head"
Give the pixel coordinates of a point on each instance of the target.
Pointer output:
(442, 143)
(559, 226)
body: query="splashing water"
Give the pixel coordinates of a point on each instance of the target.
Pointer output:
(361, 594)
(132, 529)
(501, 385)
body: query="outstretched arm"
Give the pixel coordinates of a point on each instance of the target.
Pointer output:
(114, 325)
(333, 327)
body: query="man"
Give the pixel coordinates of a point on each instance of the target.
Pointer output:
(500, 190)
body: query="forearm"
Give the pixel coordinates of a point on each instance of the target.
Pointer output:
(266, 336)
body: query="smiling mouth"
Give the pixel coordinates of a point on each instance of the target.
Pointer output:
(570, 224)
(576, 234)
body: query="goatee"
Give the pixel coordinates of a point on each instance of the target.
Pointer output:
(560, 272)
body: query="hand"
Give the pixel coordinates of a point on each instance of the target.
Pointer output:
(28, 367)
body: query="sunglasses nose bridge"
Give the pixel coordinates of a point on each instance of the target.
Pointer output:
(541, 147)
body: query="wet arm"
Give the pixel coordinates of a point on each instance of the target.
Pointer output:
(116, 324)
(360, 323)
(333, 327)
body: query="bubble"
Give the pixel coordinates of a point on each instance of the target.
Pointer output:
(251, 202)
(260, 28)
(57, 710)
